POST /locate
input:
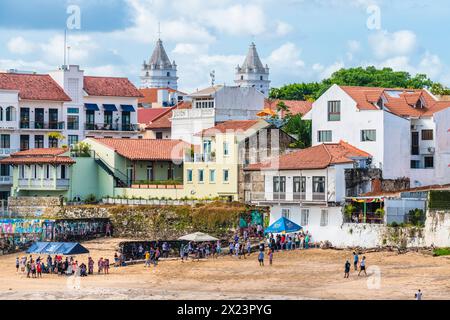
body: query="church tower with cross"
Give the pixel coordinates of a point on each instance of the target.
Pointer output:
(253, 74)
(159, 72)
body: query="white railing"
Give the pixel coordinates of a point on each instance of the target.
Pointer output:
(5, 180)
(6, 152)
(37, 184)
(294, 197)
(11, 125)
(193, 113)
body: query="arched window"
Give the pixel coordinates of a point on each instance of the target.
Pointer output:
(9, 113)
(1, 113)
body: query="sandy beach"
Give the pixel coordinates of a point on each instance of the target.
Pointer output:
(307, 274)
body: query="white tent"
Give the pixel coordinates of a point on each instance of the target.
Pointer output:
(198, 237)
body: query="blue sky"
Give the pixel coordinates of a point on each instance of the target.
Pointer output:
(300, 40)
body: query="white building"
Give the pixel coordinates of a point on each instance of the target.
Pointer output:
(100, 107)
(406, 131)
(215, 104)
(308, 187)
(253, 74)
(159, 72)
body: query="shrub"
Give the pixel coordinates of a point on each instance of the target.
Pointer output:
(441, 252)
(90, 199)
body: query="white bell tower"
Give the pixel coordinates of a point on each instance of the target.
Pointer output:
(253, 74)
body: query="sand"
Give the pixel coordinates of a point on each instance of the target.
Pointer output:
(301, 274)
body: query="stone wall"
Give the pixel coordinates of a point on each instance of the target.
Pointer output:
(437, 228)
(34, 206)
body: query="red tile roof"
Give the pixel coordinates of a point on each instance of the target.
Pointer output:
(110, 87)
(147, 149)
(317, 157)
(33, 86)
(146, 116)
(39, 156)
(417, 189)
(401, 102)
(229, 126)
(150, 95)
(162, 122)
(295, 106)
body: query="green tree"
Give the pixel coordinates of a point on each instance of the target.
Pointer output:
(300, 129)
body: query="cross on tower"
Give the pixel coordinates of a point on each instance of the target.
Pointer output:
(159, 30)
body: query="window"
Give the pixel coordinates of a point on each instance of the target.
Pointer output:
(299, 184)
(429, 162)
(73, 122)
(9, 114)
(261, 78)
(39, 118)
(324, 136)
(1, 113)
(22, 172)
(150, 172)
(368, 135)
(170, 171)
(319, 184)
(226, 175)
(34, 171)
(427, 134)
(53, 119)
(334, 111)
(286, 213)
(279, 184)
(5, 141)
(47, 172)
(168, 74)
(25, 118)
(73, 140)
(24, 142)
(212, 176)
(73, 110)
(159, 135)
(189, 176)
(415, 164)
(39, 142)
(126, 121)
(324, 218)
(52, 142)
(226, 149)
(304, 217)
(4, 170)
(108, 118)
(90, 119)
(63, 172)
(201, 175)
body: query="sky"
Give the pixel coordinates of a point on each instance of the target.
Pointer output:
(300, 40)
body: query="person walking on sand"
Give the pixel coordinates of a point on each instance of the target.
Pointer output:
(17, 264)
(249, 247)
(418, 295)
(362, 266)
(147, 259)
(355, 260)
(347, 269)
(270, 256)
(261, 258)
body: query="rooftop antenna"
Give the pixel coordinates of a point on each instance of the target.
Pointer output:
(68, 54)
(213, 77)
(65, 47)
(159, 30)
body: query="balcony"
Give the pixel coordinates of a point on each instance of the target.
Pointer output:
(193, 113)
(201, 158)
(37, 184)
(5, 180)
(285, 197)
(6, 152)
(111, 127)
(39, 125)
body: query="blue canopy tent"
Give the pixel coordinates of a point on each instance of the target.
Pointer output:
(283, 225)
(64, 248)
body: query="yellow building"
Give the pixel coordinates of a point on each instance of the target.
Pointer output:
(214, 171)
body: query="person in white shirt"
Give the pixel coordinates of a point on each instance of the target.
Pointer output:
(418, 295)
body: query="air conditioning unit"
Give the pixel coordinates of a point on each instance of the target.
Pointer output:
(431, 150)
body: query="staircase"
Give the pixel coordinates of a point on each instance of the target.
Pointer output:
(120, 178)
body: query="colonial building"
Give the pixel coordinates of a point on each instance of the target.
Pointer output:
(159, 72)
(253, 74)
(406, 131)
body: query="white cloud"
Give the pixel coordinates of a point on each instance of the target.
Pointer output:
(283, 28)
(286, 57)
(400, 43)
(189, 49)
(20, 46)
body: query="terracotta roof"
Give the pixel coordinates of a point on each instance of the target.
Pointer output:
(110, 87)
(401, 102)
(39, 156)
(33, 86)
(38, 160)
(295, 106)
(146, 116)
(162, 122)
(150, 95)
(228, 126)
(317, 157)
(40, 152)
(146, 149)
(184, 105)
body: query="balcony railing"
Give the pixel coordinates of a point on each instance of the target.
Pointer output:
(40, 125)
(193, 113)
(294, 197)
(5, 180)
(6, 152)
(111, 127)
(37, 184)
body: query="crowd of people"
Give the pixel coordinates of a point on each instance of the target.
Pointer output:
(300, 240)
(34, 268)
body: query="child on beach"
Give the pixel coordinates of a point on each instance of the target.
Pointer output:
(17, 264)
(261, 258)
(270, 256)
(355, 260)
(362, 266)
(347, 269)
